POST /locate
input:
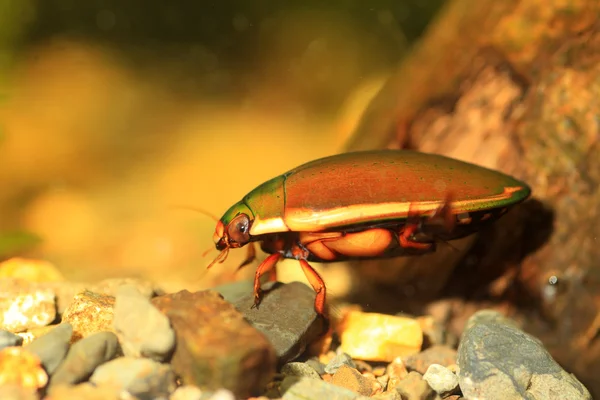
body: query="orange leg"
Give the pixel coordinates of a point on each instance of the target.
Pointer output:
(318, 285)
(405, 241)
(266, 266)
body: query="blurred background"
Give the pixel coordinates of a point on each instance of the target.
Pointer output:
(116, 115)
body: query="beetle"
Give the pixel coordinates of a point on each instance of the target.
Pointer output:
(363, 205)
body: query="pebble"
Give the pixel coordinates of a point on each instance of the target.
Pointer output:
(111, 286)
(299, 369)
(34, 333)
(441, 379)
(294, 388)
(30, 270)
(17, 392)
(187, 392)
(141, 377)
(83, 391)
(90, 312)
(65, 293)
(9, 339)
(286, 316)
(499, 361)
(352, 379)
(84, 357)
(25, 305)
(142, 329)
(442, 355)
(216, 347)
(52, 347)
(337, 361)
(413, 387)
(316, 365)
(362, 337)
(21, 368)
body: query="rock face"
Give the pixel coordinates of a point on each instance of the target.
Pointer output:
(499, 361)
(216, 347)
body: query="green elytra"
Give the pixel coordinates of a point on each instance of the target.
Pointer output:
(373, 186)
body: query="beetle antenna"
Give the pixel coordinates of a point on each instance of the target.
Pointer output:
(220, 258)
(196, 209)
(205, 253)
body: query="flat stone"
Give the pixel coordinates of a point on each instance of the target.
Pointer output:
(499, 361)
(361, 336)
(84, 357)
(420, 362)
(441, 379)
(140, 377)
(295, 388)
(286, 316)
(30, 270)
(9, 339)
(52, 347)
(299, 369)
(90, 312)
(234, 291)
(21, 368)
(25, 305)
(216, 347)
(142, 329)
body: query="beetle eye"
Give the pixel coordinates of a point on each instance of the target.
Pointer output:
(238, 229)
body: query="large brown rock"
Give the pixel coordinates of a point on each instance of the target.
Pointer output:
(513, 86)
(216, 348)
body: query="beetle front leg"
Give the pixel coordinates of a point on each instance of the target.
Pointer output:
(266, 266)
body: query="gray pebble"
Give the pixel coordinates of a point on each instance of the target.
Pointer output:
(141, 377)
(499, 361)
(9, 339)
(441, 379)
(52, 347)
(316, 365)
(337, 361)
(142, 329)
(299, 369)
(296, 388)
(84, 357)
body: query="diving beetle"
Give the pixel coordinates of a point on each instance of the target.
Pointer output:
(363, 205)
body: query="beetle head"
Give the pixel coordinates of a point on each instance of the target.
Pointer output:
(233, 230)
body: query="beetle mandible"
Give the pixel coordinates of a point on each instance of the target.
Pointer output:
(363, 205)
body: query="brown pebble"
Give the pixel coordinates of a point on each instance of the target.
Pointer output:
(216, 346)
(414, 387)
(379, 371)
(90, 312)
(442, 355)
(350, 378)
(327, 377)
(22, 368)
